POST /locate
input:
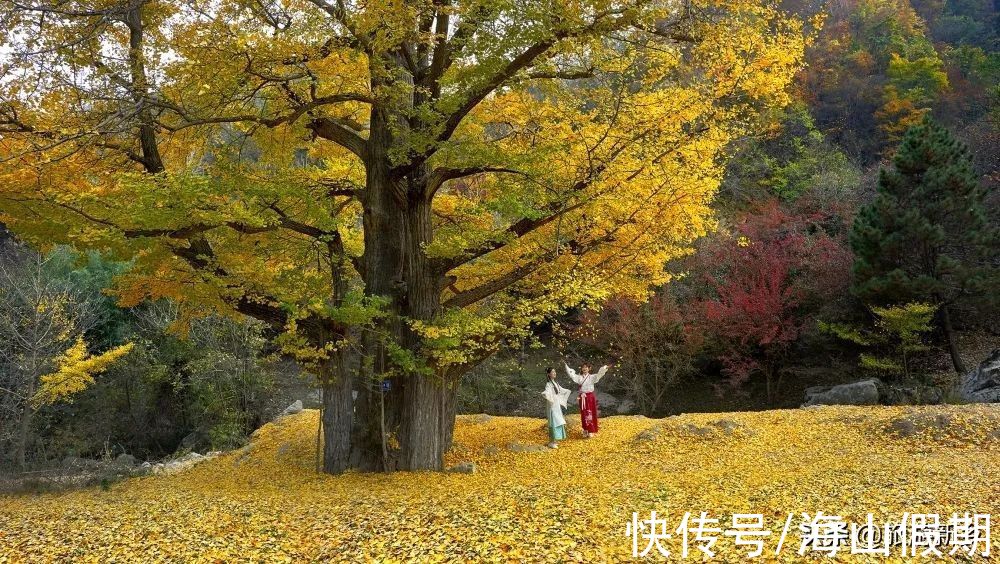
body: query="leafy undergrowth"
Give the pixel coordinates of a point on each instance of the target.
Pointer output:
(266, 503)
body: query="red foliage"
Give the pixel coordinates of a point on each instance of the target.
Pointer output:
(761, 285)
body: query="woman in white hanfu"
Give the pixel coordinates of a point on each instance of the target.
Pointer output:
(588, 399)
(558, 397)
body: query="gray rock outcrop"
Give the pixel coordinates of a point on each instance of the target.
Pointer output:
(982, 385)
(295, 407)
(864, 392)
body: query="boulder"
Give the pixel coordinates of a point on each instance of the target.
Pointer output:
(695, 430)
(893, 394)
(126, 460)
(916, 423)
(649, 435)
(296, 407)
(463, 468)
(480, 418)
(982, 385)
(626, 406)
(192, 441)
(180, 464)
(728, 426)
(491, 450)
(864, 392)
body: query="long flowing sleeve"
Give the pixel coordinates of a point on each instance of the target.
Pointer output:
(556, 394)
(563, 394)
(573, 375)
(600, 374)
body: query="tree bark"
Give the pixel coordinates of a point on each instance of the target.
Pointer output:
(27, 413)
(338, 414)
(949, 335)
(449, 397)
(397, 226)
(21, 449)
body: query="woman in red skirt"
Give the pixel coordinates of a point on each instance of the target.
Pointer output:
(588, 399)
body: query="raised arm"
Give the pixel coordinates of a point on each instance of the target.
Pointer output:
(573, 375)
(600, 374)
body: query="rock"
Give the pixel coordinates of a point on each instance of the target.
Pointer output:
(649, 435)
(463, 468)
(864, 392)
(626, 406)
(491, 450)
(480, 418)
(916, 423)
(520, 447)
(190, 441)
(191, 456)
(125, 460)
(982, 385)
(696, 430)
(892, 394)
(605, 401)
(727, 426)
(296, 407)
(180, 464)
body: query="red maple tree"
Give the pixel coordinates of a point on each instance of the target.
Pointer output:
(762, 283)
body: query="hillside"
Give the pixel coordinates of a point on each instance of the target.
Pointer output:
(266, 503)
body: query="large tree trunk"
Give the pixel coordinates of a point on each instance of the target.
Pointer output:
(421, 442)
(949, 335)
(338, 414)
(406, 422)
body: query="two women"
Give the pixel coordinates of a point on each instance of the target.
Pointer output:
(558, 397)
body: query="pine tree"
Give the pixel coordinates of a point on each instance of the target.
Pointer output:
(926, 236)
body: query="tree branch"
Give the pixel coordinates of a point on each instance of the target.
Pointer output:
(332, 130)
(443, 174)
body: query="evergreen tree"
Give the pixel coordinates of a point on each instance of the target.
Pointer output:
(926, 237)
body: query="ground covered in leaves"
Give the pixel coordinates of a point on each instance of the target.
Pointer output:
(266, 503)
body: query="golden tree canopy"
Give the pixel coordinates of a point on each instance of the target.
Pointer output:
(231, 148)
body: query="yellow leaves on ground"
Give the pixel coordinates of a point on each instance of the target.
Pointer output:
(75, 370)
(265, 502)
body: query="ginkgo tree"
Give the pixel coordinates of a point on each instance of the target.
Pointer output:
(44, 358)
(397, 187)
